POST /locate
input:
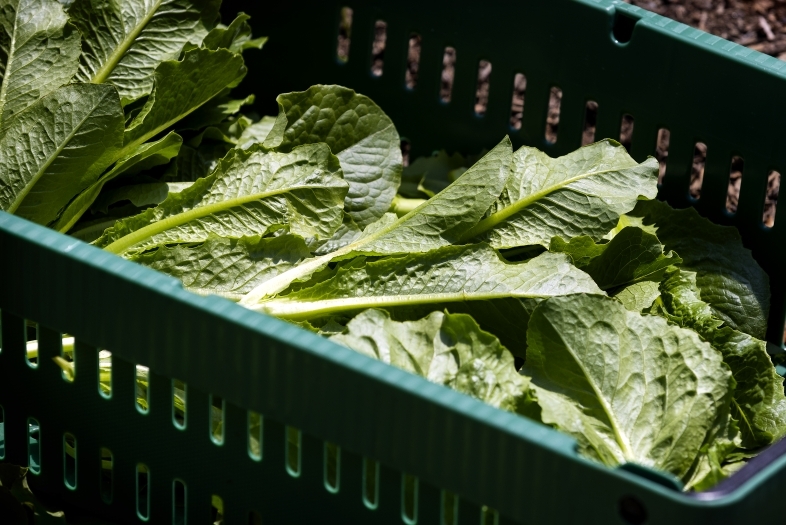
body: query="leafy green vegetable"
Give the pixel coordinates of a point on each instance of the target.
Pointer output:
(39, 52)
(182, 86)
(144, 157)
(358, 133)
(448, 349)
(630, 257)
(227, 267)
(58, 147)
(471, 279)
(759, 404)
(638, 296)
(629, 388)
(427, 176)
(582, 193)
(251, 192)
(126, 40)
(728, 278)
(438, 222)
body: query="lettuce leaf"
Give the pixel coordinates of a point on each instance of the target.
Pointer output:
(728, 278)
(581, 193)
(447, 349)
(39, 52)
(628, 387)
(358, 132)
(251, 192)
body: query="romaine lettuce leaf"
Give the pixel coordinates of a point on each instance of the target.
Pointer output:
(358, 132)
(58, 147)
(628, 387)
(438, 222)
(251, 192)
(39, 52)
(468, 279)
(126, 40)
(581, 193)
(227, 267)
(728, 278)
(759, 404)
(448, 349)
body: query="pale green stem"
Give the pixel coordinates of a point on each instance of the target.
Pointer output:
(401, 205)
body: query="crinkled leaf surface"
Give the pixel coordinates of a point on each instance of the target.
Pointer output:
(638, 296)
(629, 388)
(256, 132)
(251, 192)
(39, 52)
(182, 86)
(468, 279)
(438, 222)
(125, 40)
(633, 255)
(227, 267)
(144, 157)
(582, 193)
(729, 279)
(759, 403)
(448, 349)
(58, 147)
(214, 112)
(357, 131)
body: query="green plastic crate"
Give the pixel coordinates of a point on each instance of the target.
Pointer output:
(392, 428)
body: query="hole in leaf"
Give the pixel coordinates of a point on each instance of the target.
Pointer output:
(370, 483)
(378, 48)
(488, 516)
(413, 61)
(179, 393)
(735, 184)
(142, 491)
(217, 419)
(106, 475)
(590, 122)
(662, 152)
(771, 198)
(293, 442)
(178, 502)
(517, 101)
(34, 445)
(626, 131)
(69, 458)
(449, 508)
(142, 382)
(332, 467)
(255, 423)
(344, 34)
(105, 373)
(216, 509)
(552, 118)
(482, 91)
(697, 169)
(448, 74)
(409, 499)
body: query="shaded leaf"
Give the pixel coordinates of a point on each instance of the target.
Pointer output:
(447, 349)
